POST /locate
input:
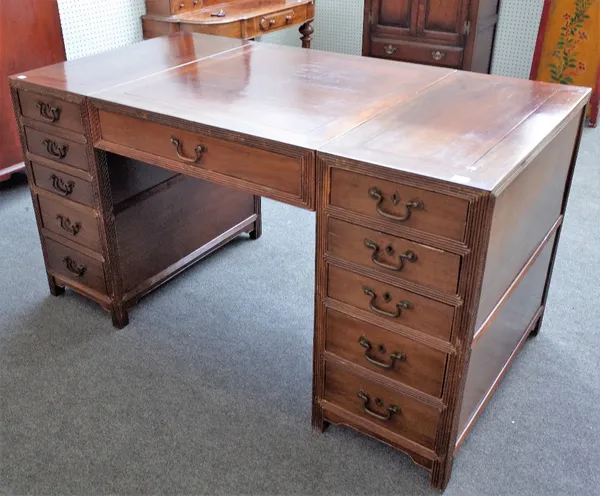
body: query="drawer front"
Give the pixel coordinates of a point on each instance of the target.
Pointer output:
(50, 110)
(75, 266)
(394, 411)
(399, 205)
(56, 148)
(393, 256)
(62, 184)
(73, 224)
(264, 24)
(421, 53)
(394, 304)
(386, 353)
(279, 173)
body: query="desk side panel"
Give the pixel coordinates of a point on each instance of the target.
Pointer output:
(493, 352)
(524, 213)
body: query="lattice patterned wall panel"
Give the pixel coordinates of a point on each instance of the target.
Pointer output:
(515, 37)
(92, 26)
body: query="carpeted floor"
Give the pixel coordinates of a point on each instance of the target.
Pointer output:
(207, 391)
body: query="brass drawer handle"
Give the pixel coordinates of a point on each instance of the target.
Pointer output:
(200, 149)
(437, 55)
(47, 112)
(390, 50)
(74, 267)
(68, 226)
(266, 24)
(375, 194)
(392, 409)
(408, 255)
(54, 149)
(289, 18)
(61, 187)
(403, 305)
(364, 342)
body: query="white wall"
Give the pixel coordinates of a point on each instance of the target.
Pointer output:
(91, 26)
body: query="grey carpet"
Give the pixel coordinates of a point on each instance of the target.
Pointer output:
(207, 391)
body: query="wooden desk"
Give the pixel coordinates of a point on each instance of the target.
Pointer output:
(439, 201)
(245, 19)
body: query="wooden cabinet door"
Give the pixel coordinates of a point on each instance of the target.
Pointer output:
(443, 20)
(393, 17)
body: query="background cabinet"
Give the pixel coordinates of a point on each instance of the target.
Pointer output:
(450, 33)
(30, 37)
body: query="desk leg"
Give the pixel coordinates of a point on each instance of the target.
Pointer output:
(55, 289)
(306, 30)
(257, 231)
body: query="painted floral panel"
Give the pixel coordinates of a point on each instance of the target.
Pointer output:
(571, 47)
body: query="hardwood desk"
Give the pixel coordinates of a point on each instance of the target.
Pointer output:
(245, 19)
(439, 202)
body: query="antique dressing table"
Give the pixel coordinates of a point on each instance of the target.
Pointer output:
(439, 202)
(245, 19)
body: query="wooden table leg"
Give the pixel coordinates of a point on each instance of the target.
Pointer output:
(306, 30)
(257, 231)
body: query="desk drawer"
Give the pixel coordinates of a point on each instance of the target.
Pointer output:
(73, 224)
(393, 256)
(388, 408)
(392, 203)
(394, 304)
(50, 110)
(75, 266)
(421, 53)
(63, 184)
(278, 20)
(389, 354)
(276, 175)
(56, 148)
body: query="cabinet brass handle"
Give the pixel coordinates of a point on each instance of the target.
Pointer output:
(375, 194)
(200, 149)
(47, 112)
(266, 24)
(408, 255)
(68, 226)
(61, 187)
(364, 342)
(392, 409)
(74, 267)
(390, 50)
(403, 305)
(437, 55)
(54, 149)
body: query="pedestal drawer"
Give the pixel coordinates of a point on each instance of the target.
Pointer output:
(375, 403)
(76, 225)
(75, 266)
(393, 256)
(398, 204)
(50, 110)
(63, 184)
(391, 355)
(56, 148)
(396, 305)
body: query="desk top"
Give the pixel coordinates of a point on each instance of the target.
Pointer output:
(459, 127)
